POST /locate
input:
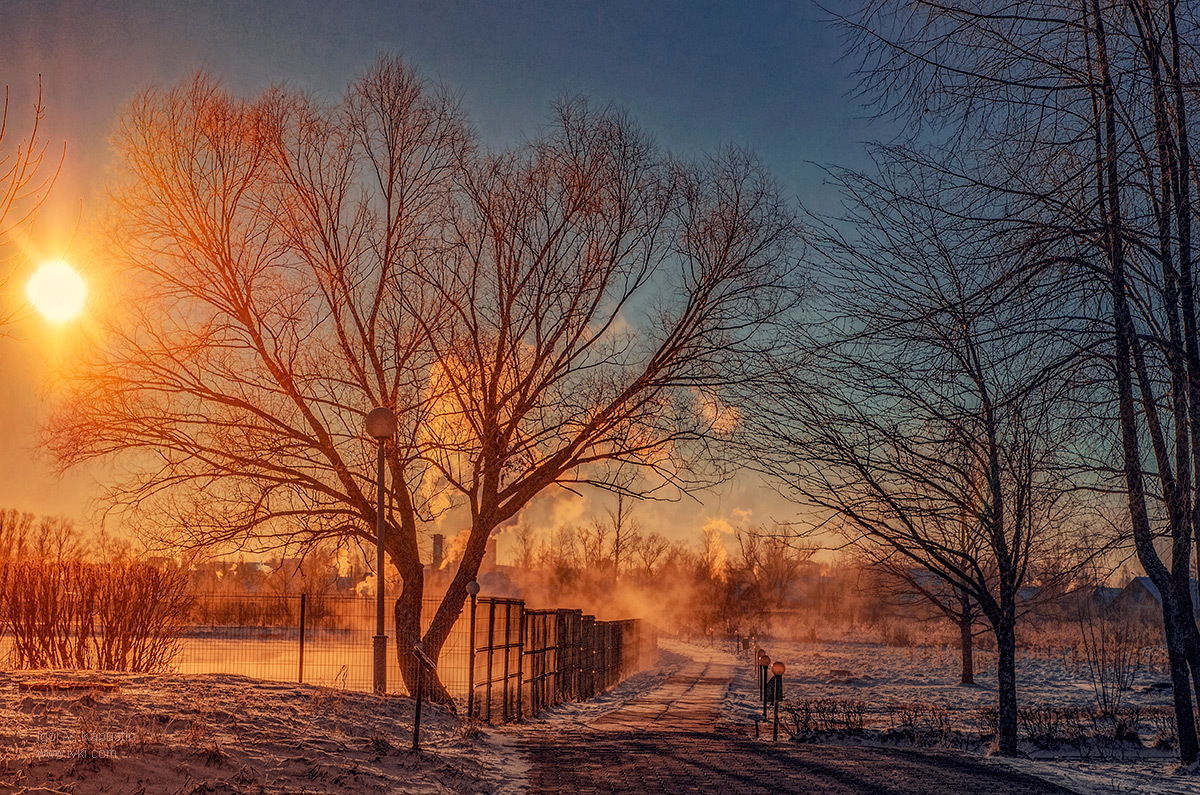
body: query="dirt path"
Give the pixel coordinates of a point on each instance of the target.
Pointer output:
(675, 740)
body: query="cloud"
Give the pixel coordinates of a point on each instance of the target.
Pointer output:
(719, 417)
(720, 526)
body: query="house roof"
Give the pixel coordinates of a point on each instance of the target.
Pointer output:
(1147, 585)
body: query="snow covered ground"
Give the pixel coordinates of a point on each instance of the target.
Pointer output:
(220, 733)
(884, 677)
(137, 733)
(175, 733)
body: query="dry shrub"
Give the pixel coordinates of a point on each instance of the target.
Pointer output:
(808, 715)
(898, 634)
(118, 616)
(1166, 730)
(1116, 651)
(921, 722)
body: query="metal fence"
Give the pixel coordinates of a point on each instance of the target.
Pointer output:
(516, 662)
(316, 639)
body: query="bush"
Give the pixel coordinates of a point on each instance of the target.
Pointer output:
(121, 616)
(808, 715)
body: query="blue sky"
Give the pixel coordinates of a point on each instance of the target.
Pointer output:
(765, 75)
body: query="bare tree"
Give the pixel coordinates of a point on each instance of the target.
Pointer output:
(267, 251)
(526, 554)
(52, 539)
(607, 544)
(627, 533)
(26, 177)
(902, 584)
(16, 530)
(649, 550)
(1145, 241)
(921, 413)
(600, 290)
(548, 315)
(771, 559)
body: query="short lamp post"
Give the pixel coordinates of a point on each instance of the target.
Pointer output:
(381, 426)
(764, 661)
(777, 695)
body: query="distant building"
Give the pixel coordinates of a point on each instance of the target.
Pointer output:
(1141, 592)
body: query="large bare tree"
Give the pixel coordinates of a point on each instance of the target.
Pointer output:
(557, 314)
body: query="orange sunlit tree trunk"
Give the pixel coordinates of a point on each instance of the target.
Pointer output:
(559, 314)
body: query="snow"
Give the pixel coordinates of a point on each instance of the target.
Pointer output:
(882, 675)
(223, 733)
(1150, 777)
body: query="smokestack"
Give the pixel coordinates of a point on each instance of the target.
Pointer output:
(439, 547)
(489, 557)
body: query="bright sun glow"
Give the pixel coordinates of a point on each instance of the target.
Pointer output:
(57, 291)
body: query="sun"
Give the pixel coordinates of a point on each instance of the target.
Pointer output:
(57, 291)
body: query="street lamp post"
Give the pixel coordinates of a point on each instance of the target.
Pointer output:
(381, 426)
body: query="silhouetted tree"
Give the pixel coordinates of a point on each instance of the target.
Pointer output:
(898, 582)
(769, 561)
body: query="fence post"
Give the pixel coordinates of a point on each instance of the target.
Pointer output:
(303, 604)
(416, 746)
(473, 590)
(491, 668)
(521, 665)
(507, 654)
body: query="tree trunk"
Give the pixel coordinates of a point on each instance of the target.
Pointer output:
(450, 609)
(1108, 183)
(1177, 632)
(1006, 677)
(402, 551)
(408, 633)
(967, 645)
